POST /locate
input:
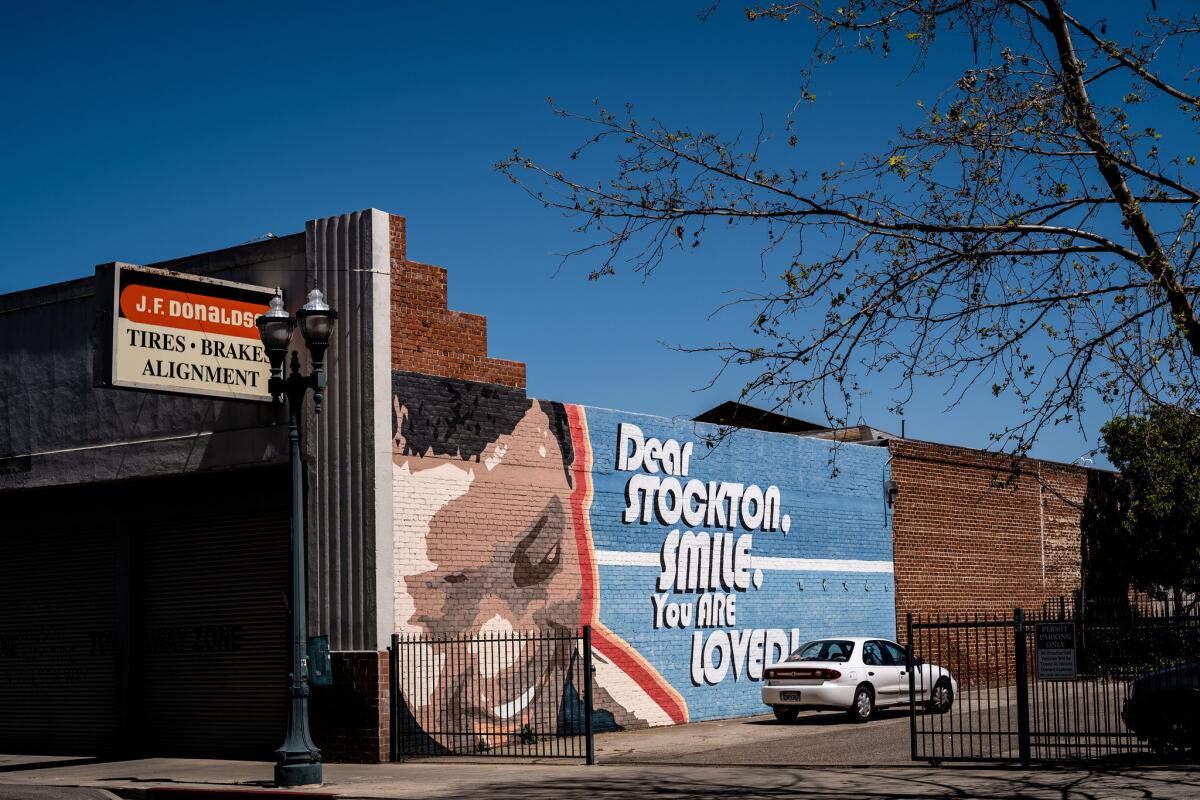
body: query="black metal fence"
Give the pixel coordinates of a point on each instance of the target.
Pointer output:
(518, 694)
(981, 723)
(1064, 683)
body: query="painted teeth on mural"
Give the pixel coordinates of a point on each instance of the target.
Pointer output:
(514, 707)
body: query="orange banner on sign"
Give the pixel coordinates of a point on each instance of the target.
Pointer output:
(194, 312)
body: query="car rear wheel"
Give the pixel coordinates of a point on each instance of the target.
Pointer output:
(1178, 732)
(863, 706)
(785, 713)
(942, 699)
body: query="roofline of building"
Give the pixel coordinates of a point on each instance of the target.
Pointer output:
(730, 413)
(199, 264)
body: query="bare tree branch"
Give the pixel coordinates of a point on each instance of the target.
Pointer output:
(1033, 233)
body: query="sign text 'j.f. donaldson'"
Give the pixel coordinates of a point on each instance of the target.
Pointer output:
(180, 333)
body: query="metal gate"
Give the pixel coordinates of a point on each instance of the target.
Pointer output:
(212, 635)
(59, 673)
(517, 694)
(1059, 684)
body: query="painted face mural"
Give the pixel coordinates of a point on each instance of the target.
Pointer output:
(492, 539)
(494, 554)
(695, 569)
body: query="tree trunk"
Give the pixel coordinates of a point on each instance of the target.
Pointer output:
(1155, 261)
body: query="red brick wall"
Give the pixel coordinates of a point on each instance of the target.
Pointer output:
(429, 338)
(972, 533)
(351, 718)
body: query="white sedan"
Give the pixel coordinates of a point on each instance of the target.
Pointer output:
(855, 674)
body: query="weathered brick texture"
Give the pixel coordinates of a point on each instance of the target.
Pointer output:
(428, 337)
(494, 535)
(975, 532)
(978, 534)
(485, 499)
(351, 718)
(502, 502)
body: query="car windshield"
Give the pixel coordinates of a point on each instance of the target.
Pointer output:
(825, 650)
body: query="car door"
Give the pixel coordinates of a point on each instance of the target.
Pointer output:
(883, 676)
(893, 654)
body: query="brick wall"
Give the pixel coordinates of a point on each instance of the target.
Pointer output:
(973, 532)
(428, 337)
(488, 510)
(825, 571)
(452, 435)
(977, 534)
(351, 717)
(510, 515)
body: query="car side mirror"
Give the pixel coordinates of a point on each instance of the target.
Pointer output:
(920, 662)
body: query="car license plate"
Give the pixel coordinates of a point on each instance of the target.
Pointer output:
(789, 697)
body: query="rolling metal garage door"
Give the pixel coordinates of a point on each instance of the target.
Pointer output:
(213, 635)
(58, 610)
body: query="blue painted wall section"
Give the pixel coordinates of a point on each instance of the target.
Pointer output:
(818, 562)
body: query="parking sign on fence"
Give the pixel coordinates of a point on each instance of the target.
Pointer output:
(1056, 651)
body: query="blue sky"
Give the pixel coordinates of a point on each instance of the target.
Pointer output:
(140, 132)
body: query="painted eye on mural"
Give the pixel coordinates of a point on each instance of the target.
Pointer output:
(538, 554)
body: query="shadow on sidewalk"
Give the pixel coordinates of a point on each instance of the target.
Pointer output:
(54, 763)
(839, 718)
(865, 784)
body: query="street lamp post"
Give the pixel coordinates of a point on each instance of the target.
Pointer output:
(298, 761)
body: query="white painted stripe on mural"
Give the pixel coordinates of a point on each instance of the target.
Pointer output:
(628, 558)
(820, 564)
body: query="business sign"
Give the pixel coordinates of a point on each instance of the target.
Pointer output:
(171, 332)
(1056, 651)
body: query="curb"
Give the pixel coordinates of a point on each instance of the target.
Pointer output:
(189, 793)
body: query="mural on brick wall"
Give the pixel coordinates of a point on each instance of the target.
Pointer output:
(696, 567)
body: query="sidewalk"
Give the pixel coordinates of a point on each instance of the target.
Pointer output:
(189, 778)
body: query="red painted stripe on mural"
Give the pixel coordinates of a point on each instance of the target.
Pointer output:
(620, 653)
(581, 496)
(610, 645)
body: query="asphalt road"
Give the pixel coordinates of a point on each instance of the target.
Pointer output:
(982, 725)
(815, 739)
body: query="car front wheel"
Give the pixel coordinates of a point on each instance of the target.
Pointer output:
(863, 706)
(785, 713)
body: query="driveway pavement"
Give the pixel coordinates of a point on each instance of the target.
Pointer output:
(814, 739)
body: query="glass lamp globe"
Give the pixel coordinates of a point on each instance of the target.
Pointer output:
(316, 319)
(275, 327)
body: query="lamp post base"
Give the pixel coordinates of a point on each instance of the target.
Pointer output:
(303, 774)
